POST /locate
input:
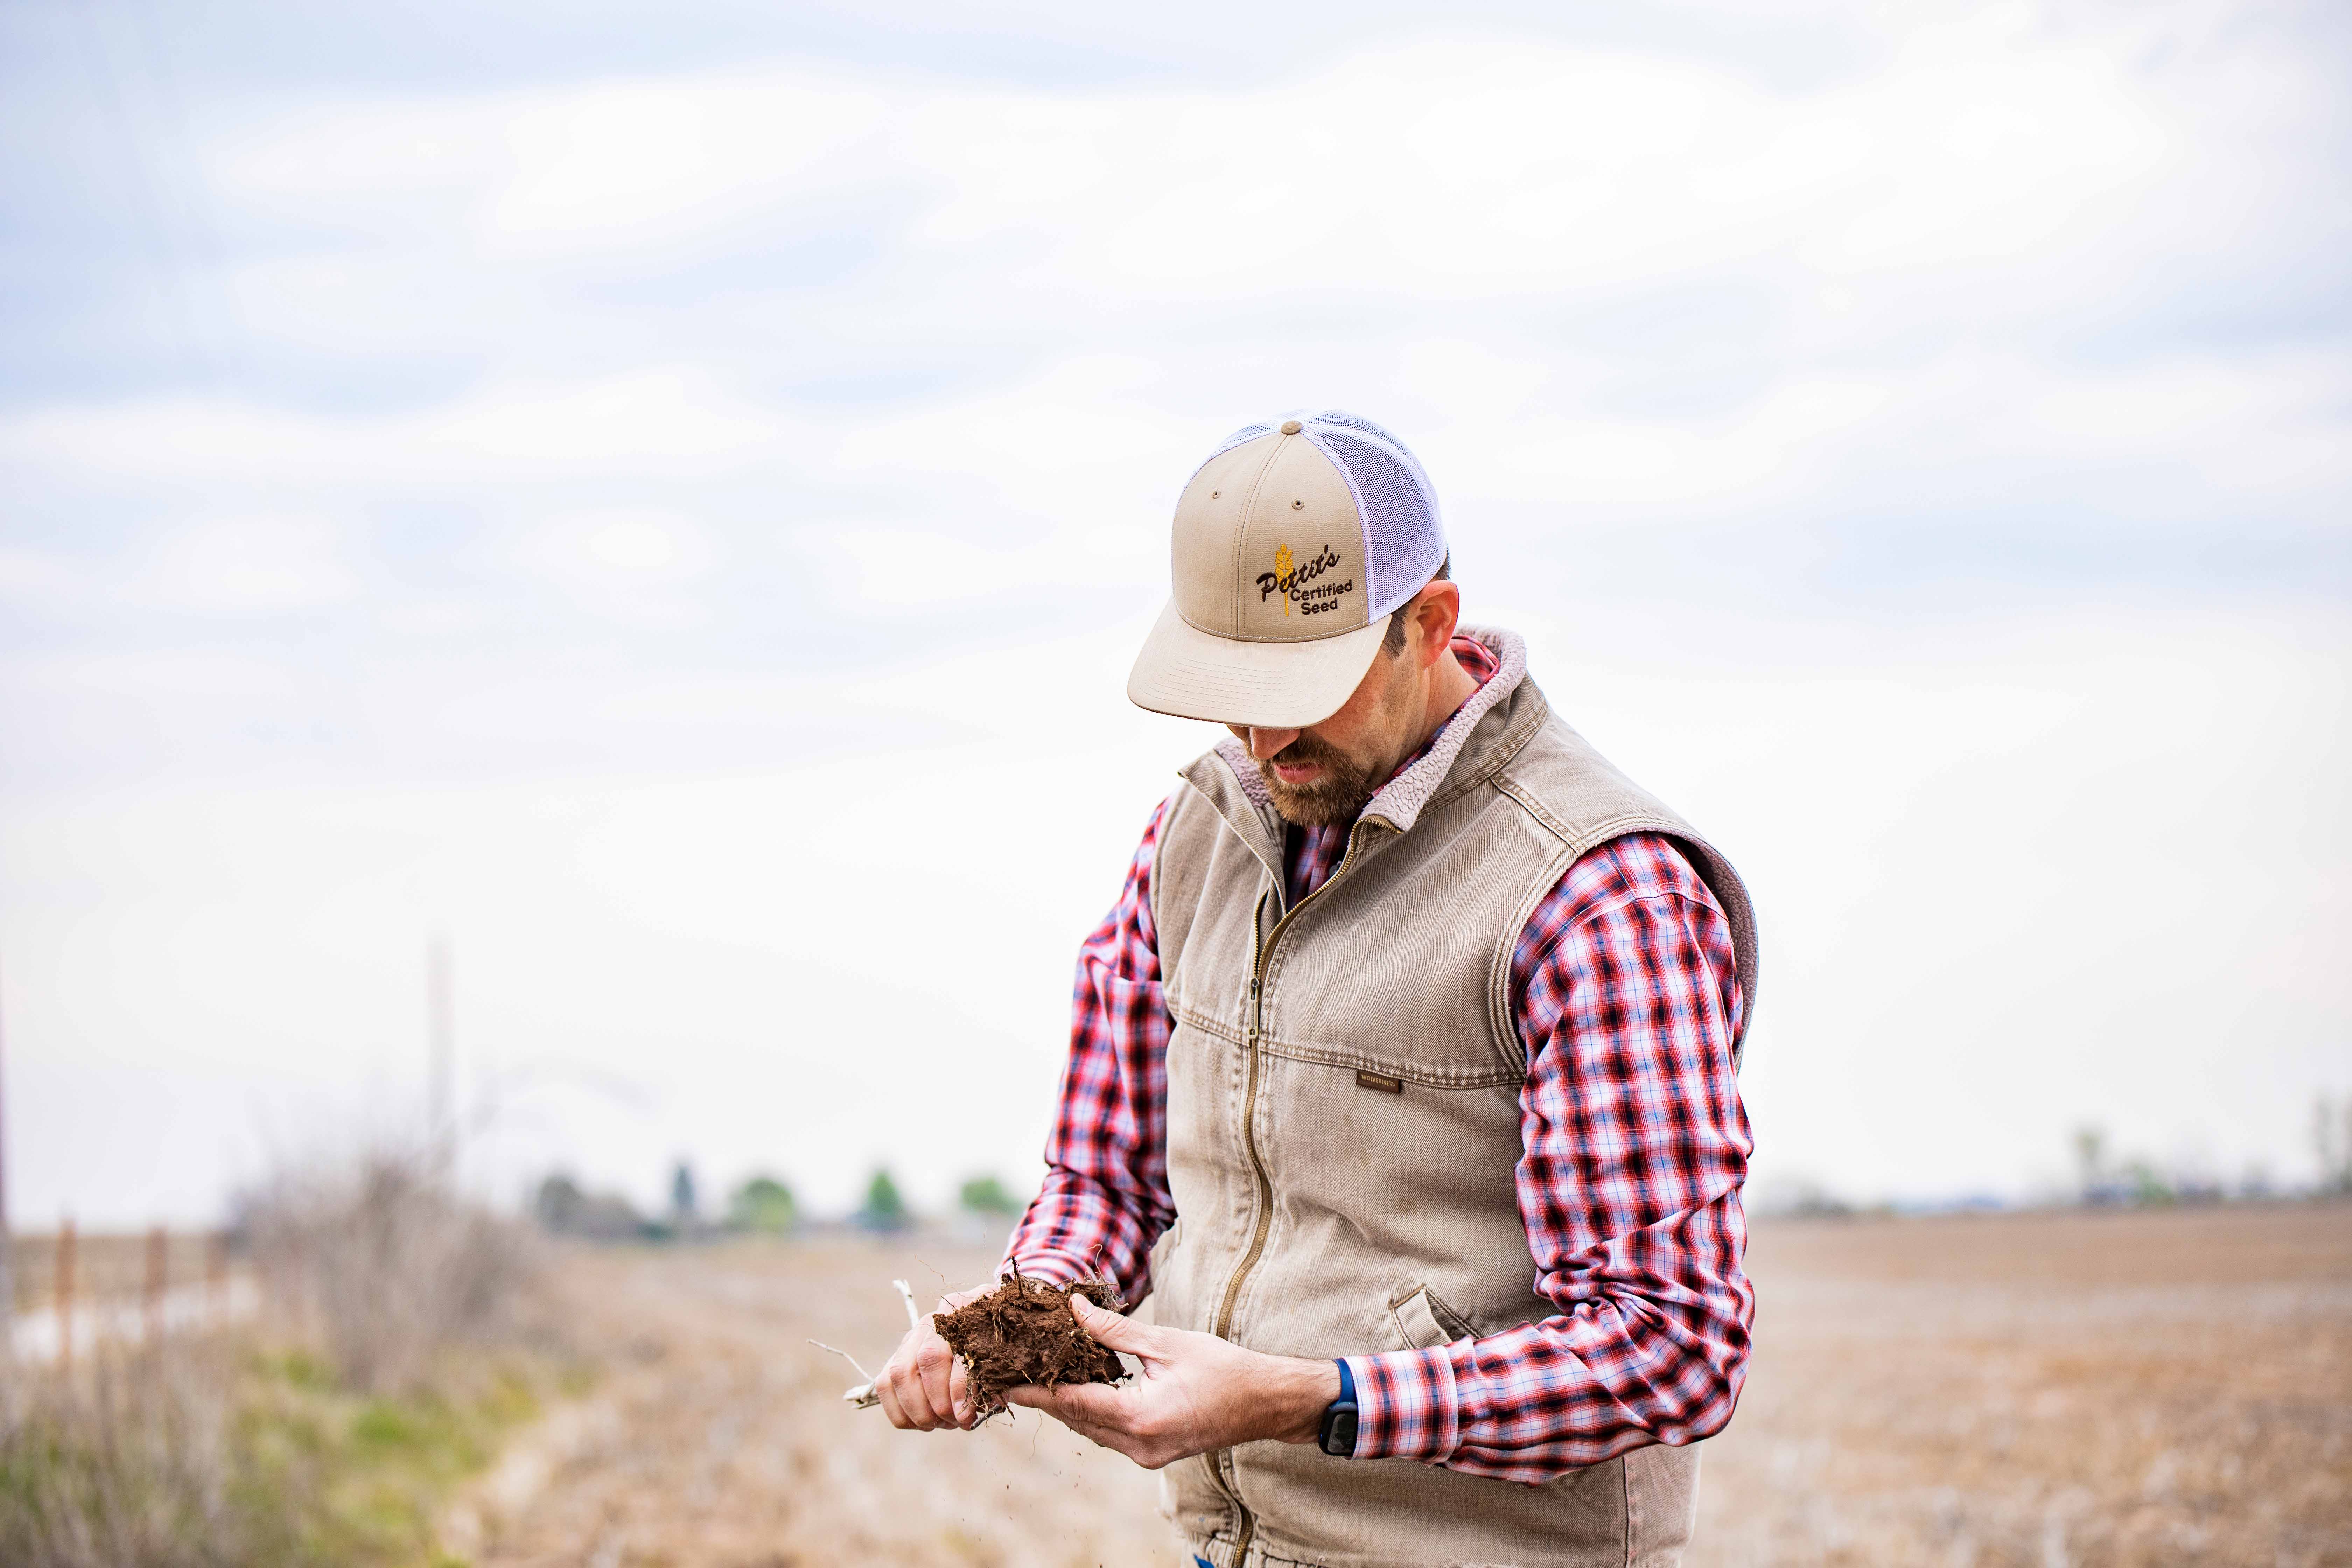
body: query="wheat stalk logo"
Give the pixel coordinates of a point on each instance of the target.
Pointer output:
(1282, 570)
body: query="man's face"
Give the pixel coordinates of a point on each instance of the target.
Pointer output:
(1323, 774)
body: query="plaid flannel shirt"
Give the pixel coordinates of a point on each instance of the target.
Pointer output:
(1635, 1140)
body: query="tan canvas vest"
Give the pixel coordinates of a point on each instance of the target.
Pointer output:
(1343, 1122)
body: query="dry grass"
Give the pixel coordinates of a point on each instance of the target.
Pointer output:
(388, 1270)
(128, 1462)
(391, 1359)
(719, 1436)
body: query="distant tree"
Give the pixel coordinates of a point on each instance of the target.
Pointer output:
(762, 1204)
(885, 1209)
(1806, 1196)
(563, 1208)
(681, 1196)
(986, 1196)
(2147, 1186)
(2091, 1162)
(559, 1203)
(2335, 1150)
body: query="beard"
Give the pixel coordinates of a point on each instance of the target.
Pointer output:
(1336, 799)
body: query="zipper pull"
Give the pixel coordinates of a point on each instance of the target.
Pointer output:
(1251, 1023)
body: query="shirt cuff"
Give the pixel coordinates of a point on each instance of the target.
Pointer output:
(1406, 1407)
(1053, 1267)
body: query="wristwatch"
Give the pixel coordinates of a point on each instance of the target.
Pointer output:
(1338, 1437)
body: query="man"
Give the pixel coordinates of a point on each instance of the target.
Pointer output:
(1401, 1076)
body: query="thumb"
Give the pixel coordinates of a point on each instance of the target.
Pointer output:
(1109, 1328)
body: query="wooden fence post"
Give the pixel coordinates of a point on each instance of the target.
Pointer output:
(7, 1244)
(65, 1281)
(159, 1267)
(216, 1278)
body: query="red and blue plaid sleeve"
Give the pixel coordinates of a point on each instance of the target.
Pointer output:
(1636, 1144)
(1105, 1197)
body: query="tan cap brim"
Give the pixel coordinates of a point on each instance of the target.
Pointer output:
(1275, 685)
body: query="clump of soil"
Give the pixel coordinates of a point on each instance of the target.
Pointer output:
(1023, 1332)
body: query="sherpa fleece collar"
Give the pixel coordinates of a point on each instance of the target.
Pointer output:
(1401, 801)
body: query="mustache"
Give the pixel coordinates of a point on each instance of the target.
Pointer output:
(1304, 752)
(1335, 797)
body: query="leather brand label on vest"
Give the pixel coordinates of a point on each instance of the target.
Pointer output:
(1379, 1080)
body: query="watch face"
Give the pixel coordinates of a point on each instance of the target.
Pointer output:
(1339, 1433)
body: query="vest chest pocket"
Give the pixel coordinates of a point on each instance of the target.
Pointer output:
(1424, 1322)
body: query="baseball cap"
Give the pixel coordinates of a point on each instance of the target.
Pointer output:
(1294, 543)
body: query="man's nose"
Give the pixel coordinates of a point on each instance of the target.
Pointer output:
(1264, 744)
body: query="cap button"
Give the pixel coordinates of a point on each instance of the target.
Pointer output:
(1290, 427)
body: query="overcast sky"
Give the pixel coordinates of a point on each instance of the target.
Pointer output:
(668, 495)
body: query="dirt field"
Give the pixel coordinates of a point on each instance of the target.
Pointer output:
(719, 1436)
(2098, 1388)
(2161, 1387)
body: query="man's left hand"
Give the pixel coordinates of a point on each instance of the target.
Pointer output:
(1197, 1392)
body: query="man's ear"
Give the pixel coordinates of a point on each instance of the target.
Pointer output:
(1436, 611)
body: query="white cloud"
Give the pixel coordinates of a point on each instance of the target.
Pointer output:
(1450, 169)
(657, 420)
(632, 565)
(895, 568)
(1989, 168)
(642, 160)
(1455, 170)
(655, 416)
(1374, 227)
(165, 683)
(1614, 468)
(41, 574)
(246, 565)
(634, 544)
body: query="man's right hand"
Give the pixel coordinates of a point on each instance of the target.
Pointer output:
(924, 1385)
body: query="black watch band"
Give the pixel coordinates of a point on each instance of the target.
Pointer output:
(1338, 1437)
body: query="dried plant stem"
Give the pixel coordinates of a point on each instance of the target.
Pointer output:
(1022, 1331)
(863, 1396)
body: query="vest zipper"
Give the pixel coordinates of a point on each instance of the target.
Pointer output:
(1222, 1459)
(1224, 1319)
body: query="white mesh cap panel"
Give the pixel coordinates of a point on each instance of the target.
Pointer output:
(1355, 422)
(1404, 541)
